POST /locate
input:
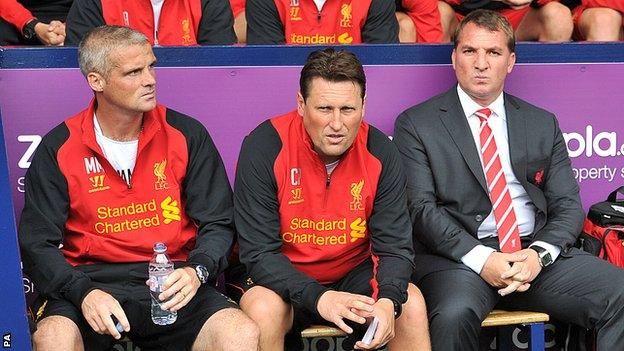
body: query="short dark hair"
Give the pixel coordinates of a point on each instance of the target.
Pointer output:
(490, 20)
(334, 66)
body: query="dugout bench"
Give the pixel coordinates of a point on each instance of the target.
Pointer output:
(504, 321)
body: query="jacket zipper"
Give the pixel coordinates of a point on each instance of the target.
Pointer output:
(327, 183)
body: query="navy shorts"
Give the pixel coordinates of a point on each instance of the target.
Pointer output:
(126, 283)
(357, 281)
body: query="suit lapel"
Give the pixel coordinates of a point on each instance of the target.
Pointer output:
(455, 122)
(516, 132)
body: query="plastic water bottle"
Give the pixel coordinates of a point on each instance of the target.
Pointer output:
(159, 269)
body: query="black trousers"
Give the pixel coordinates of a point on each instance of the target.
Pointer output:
(577, 288)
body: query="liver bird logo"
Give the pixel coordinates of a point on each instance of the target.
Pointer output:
(159, 172)
(356, 192)
(345, 11)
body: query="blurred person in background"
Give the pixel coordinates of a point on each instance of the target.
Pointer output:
(419, 21)
(323, 22)
(181, 22)
(33, 22)
(532, 20)
(597, 20)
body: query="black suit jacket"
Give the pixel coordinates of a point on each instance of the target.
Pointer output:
(447, 190)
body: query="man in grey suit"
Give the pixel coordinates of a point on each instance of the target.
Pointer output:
(494, 203)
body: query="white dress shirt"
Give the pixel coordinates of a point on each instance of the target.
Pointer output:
(522, 204)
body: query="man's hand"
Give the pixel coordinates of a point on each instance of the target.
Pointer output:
(333, 306)
(182, 284)
(98, 307)
(52, 34)
(384, 311)
(522, 273)
(498, 263)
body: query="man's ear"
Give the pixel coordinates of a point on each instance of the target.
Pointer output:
(96, 81)
(300, 103)
(363, 106)
(453, 58)
(512, 62)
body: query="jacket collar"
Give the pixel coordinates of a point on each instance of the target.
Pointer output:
(152, 123)
(453, 117)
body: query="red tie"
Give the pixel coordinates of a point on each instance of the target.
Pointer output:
(506, 223)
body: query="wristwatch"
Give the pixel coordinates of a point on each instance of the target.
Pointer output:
(202, 273)
(29, 29)
(544, 256)
(398, 308)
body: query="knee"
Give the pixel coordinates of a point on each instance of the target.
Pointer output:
(266, 308)
(56, 332)
(557, 16)
(601, 23)
(454, 317)
(414, 310)
(247, 332)
(228, 330)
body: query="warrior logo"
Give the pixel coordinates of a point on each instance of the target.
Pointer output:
(297, 196)
(97, 183)
(294, 13)
(356, 192)
(161, 178)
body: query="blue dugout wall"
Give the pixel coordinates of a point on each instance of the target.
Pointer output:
(13, 323)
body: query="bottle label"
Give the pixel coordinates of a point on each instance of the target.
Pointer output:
(156, 282)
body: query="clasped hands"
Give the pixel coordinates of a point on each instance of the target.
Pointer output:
(511, 272)
(52, 34)
(98, 307)
(335, 306)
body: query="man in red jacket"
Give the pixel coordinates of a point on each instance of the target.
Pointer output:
(180, 22)
(532, 20)
(320, 210)
(107, 184)
(323, 22)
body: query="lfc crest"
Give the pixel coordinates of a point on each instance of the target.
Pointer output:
(161, 178)
(356, 192)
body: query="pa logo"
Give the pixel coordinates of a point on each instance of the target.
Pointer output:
(6, 341)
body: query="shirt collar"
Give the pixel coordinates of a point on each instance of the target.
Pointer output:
(470, 106)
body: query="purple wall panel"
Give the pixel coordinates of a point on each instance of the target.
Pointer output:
(231, 101)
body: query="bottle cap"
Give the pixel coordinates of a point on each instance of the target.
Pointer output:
(160, 247)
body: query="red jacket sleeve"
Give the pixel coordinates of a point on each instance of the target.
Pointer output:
(14, 13)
